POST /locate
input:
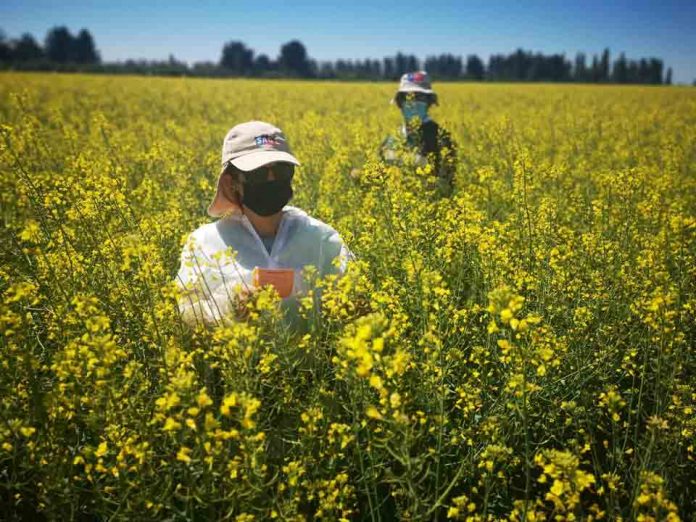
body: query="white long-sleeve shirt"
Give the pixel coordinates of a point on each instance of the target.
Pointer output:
(219, 259)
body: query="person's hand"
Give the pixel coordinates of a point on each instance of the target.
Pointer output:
(242, 303)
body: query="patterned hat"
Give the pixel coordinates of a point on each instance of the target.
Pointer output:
(417, 81)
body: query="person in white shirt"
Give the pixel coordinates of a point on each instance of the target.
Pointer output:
(259, 240)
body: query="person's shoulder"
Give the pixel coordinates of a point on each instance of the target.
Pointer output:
(441, 132)
(201, 232)
(210, 233)
(310, 223)
(434, 127)
(430, 128)
(204, 231)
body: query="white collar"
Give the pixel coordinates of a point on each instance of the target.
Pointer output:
(288, 212)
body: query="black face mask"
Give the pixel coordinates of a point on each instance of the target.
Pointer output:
(267, 198)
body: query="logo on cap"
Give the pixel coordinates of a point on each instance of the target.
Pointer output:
(267, 141)
(416, 77)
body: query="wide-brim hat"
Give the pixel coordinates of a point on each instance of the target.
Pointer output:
(417, 81)
(248, 146)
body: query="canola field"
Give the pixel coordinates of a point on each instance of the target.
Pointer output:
(520, 350)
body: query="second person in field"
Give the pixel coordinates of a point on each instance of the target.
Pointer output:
(421, 140)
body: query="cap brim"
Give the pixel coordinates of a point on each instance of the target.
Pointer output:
(258, 159)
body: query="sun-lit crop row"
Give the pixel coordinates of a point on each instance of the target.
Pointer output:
(521, 350)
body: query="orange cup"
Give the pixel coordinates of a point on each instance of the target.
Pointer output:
(282, 279)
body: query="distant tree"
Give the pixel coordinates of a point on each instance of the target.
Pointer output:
(620, 72)
(632, 72)
(343, 67)
(655, 66)
(668, 76)
(455, 66)
(432, 65)
(206, 68)
(412, 63)
(474, 67)
(557, 68)
(326, 70)
(594, 74)
(83, 49)
(643, 71)
(361, 69)
(525, 66)
(5, 50)
(172, 67)
(444, 66)
(262, 65)
(312, 68)
(26, 49)
(375, 69)
(580, 69)
(236, 58)
(518, 65)
(389, 68)
(603, 74)
(59, 45)
(495, 67)
(400, 64)
(293, 59)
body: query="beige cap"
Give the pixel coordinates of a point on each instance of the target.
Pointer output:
(249, 146)
(253, 144)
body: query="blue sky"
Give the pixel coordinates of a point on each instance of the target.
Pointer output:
(195, 31)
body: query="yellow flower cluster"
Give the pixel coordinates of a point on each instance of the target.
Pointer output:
(568, 481)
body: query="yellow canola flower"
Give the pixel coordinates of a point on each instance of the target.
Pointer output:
(229, 402)
(395, 400)
(251, 406)
(171, 424)
(184, 454)
(102, 449)
(27, 431)
(373, 413)
(203, 400)
(376, 382)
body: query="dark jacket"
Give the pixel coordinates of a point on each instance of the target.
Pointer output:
(431, 143)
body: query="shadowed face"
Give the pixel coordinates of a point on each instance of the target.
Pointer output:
(414, 96)
(264, 191)
(234, 180)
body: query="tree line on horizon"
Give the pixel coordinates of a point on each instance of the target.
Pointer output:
(63, 51)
